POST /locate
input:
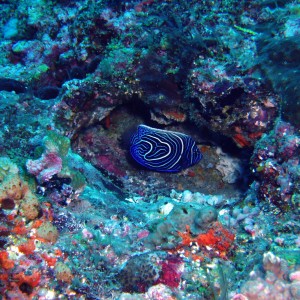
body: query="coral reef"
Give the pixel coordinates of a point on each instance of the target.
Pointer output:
(140, 272)
(145, 270)
(166, 232)
(52, 170)
(47, 232)
(216, 242)
(275, 166)
(240, 109)
(14, 191)
(192, 230)
(63, 272)
(11, 184)
(277, 281)
(24, 221)
(79, 219)
(45, 167)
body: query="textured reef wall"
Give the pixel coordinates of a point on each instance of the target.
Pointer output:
(280, 59)
(79, 219)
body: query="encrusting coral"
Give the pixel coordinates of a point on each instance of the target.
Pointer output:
(278, 281)
(25, 225)
(11, 184)
(55, 148)
(63, 272)
(47, 232)
(52, 170)
(13, 190)
(186, 227)
(275, 165)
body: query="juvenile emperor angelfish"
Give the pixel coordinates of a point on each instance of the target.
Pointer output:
(163, 150)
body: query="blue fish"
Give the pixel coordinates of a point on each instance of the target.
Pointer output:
(163, 150)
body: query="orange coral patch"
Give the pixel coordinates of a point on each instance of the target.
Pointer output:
(5, 262)
(28, 247)
(37, 223)
(20, 228)
(175, 115)
(58, 252)
(51, 261)
(208, 239)
(33, 280)
(186, 236)
(4, 277)
(217, 237)
(241, 140)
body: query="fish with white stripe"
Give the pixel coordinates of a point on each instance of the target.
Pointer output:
(163, 150)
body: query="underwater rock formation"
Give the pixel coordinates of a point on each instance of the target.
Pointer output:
(186, 225)
(276, 168)
(273, 282)
(280, 59)
(238, 107)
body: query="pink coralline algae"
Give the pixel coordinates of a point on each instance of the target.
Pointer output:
(171, 271)
(106, 162)
(44, 168)
(160, 292)
(142, 234)
(274, 284)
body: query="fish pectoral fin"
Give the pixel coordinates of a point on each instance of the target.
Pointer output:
(184, 162)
